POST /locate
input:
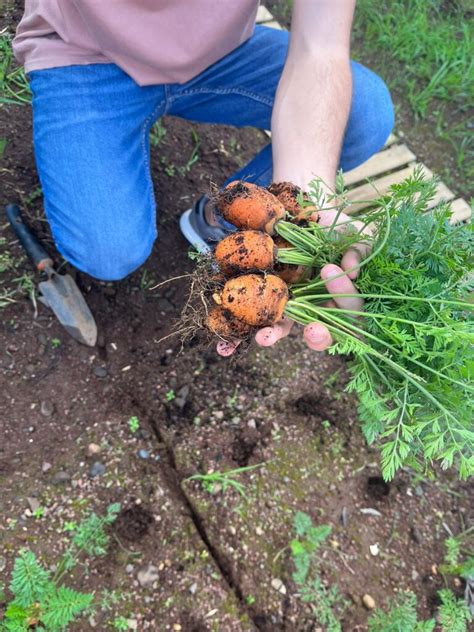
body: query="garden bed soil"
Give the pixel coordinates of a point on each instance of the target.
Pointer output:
(215, 554)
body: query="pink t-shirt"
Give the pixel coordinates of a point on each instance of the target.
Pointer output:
(154, 41)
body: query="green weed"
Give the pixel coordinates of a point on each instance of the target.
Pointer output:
(40, 599)
(215, 481)
(402, 617)
(325, 602)
(170, 395)
(14, 88)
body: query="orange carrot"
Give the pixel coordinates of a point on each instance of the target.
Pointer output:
(289, 272)
(248, 206)
(245, 251)
(222, 323)
(288, 194)
(258, 300)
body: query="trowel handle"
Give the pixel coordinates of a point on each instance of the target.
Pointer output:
(33, 248)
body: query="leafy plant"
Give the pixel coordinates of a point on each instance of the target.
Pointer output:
(41, 599)
(170, 395)
(458, 559)
(412, 357)
(223, 480)
(402, 617)
(324, 601)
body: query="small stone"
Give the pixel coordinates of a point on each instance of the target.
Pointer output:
(33, 503)
(96, 469)
(61, 477)
(374, 549)
(279, 586)
(193, 588)
(457, 582)
(434, 569)
(147, 575)
(129, 569)
(100, 371)
(251, 423)
(93, 449)
(218, 414)
(181, 397)
(47, 408)
(3, 563)
(259, 531)
(132, 624)
(419, 490)
(46, 467)
(144, 434)
(31, 429)
(414, 575)
(143, 454)
(177, 627)
(368, 601)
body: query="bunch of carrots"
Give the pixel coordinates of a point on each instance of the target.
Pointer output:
(257, 287)
(411, 350)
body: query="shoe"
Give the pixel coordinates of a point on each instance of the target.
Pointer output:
(197, 230)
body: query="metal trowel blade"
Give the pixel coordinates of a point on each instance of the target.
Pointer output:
(63, 297)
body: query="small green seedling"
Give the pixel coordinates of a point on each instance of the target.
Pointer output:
(121, 623)
(170, 395)
(133, 424)
(249, 600)
(55, 343)
(39, 512)
(215, 481)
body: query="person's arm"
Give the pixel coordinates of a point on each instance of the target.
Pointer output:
(308, 123)
(314, 94)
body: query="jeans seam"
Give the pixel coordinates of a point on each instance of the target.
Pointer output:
(145, 125)
(223, 91)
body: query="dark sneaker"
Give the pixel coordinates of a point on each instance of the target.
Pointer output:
(197, 230)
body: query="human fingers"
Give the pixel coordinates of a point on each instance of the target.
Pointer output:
(268, 336)
(226, 348)
(317, 337)
(339, 283)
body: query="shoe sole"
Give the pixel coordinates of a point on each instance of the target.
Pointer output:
(191, 235)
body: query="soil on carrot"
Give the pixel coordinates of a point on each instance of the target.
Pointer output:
(182, 558)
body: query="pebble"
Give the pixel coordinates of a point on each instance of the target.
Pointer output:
(33, 503)
(143, 454)
(129, 569)
(259, 531)
(3, 563)
(93, 449)
(218, 414)
(414, 575)
(144, 434)
(279, 586)
(147, 575)
(193, 588)
(368, 601)
(374, 549)
(251, 423)
(47, 408)
(61, 477)
(100, 371)
(96, 469)
(177, 627)
(181, 397)
(46, 467)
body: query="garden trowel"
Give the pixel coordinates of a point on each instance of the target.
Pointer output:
(59, 292)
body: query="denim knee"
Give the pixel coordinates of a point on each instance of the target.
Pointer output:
(371, 118)
(108, 258)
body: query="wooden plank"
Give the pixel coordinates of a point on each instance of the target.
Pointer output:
(372, 190)
(274, 25)
(460, 211)
(391, 140)
(387, 160)
(263, 15)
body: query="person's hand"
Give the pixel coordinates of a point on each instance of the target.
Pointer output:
(316, 335)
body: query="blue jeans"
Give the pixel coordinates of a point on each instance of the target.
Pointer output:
(91, 138)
